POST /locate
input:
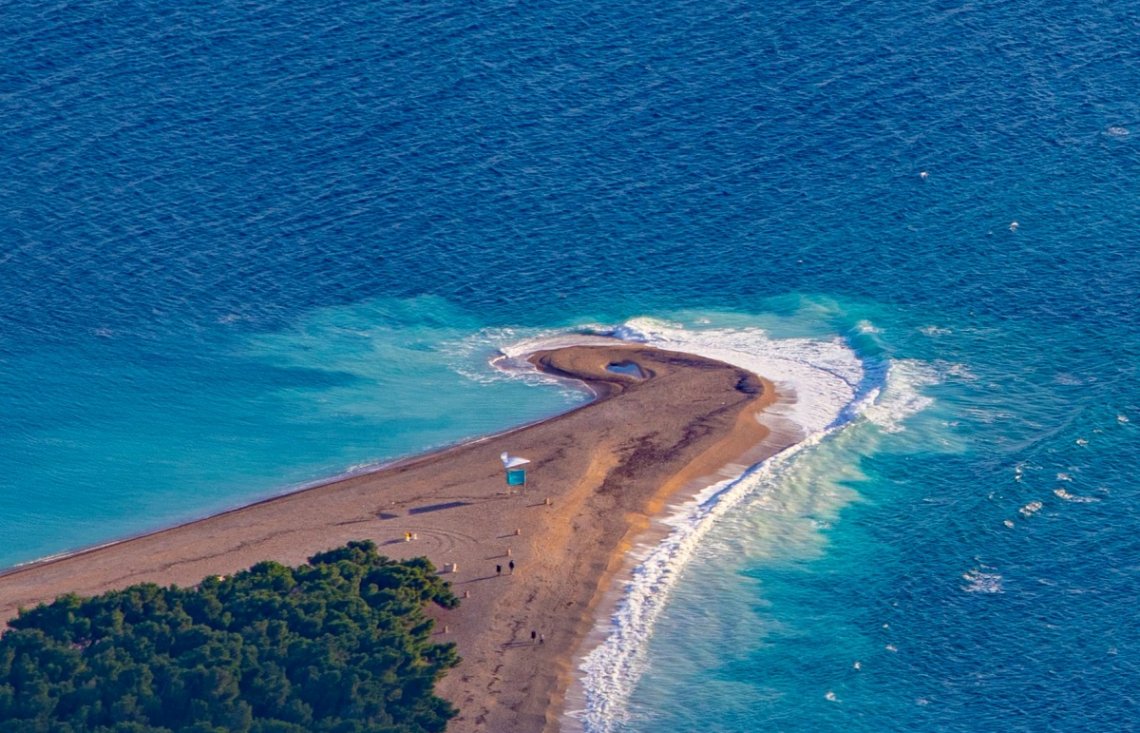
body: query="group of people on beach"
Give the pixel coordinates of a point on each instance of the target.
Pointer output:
(499, 568)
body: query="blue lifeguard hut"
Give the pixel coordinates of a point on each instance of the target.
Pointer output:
(516, 476)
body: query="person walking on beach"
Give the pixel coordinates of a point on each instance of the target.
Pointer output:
(542, 638)
(512, 566)
(498, 570)
(533, 635)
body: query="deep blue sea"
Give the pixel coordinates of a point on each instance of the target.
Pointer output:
(245, 246)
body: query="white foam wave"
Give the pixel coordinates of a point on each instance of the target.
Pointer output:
(521, 348)
(825, 386)
(956, 370)
(902, 397)
(1074, 498)
(467, 356)
(979, 581)
(1068, 379)
(612, 669)
(825, 376)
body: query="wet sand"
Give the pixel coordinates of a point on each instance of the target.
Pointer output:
(599, 475)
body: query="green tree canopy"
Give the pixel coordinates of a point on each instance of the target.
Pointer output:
(339, 645)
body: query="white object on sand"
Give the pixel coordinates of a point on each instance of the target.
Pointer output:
(510, 461)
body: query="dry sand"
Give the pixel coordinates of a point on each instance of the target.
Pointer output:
(607, 469)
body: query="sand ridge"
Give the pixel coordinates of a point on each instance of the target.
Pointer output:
(598, 476)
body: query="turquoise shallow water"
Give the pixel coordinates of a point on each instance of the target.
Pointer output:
(877, 572)
(135, 440)
(248, 246)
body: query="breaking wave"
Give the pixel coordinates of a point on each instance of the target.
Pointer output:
(823, 384)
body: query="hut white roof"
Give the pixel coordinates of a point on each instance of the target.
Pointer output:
(510, 461)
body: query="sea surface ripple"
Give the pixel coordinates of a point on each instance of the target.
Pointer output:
(248, 245)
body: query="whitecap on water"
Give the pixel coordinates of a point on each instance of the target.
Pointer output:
(956, 370)
(1062, 494)
(1117, 131)
(903, 396)
(1068, 379)
(1031, 508)
(1082, 441)
(1121, 419)
(979, 581)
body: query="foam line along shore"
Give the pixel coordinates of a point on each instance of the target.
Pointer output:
(822, 384)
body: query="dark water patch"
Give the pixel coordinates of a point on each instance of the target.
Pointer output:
(627, 368)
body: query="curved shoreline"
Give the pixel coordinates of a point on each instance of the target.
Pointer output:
(601, 473)
(627, 612)
(366, 469)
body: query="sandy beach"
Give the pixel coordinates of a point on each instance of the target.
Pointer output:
(668, 424)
